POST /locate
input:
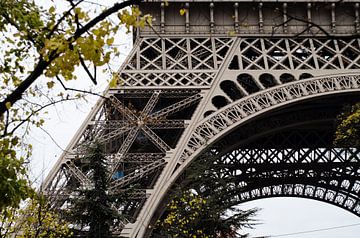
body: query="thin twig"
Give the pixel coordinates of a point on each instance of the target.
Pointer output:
(78, 90)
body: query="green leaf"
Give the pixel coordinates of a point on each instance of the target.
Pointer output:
(114, 81)
(50, 84)
(8, 105)
(182, 11)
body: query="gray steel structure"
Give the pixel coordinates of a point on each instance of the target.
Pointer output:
(256, 83)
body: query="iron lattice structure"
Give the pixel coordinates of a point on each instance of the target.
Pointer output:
(257, 85)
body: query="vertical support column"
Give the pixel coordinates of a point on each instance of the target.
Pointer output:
(285, 18)
(261, 21)
(289, 54)
(162, 29)
(338, 54)
(187, 18)
(162, 20)
(313, 53)
(333, 18)
(236, 17)
(163, 55)
(357, 24)
(138, 56)
(309, 18)
(216, 65)
(264, 53)
(188, 49)
(212, 22)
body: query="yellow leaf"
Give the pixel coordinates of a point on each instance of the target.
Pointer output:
(182, 11)
(8, 105)
(110, 41)
(114, 81)
(52, 9)
(232, 33)
(50, 84)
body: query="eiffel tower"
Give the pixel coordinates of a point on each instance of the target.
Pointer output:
(256, 83)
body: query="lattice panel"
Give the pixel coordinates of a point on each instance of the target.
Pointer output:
(159, 79)
(137, 129)
(328, 175)
(175, 61)
(219, 122)
(296, 54)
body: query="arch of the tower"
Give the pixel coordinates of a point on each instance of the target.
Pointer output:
(266, 149)
(289, 152)
(233, 77)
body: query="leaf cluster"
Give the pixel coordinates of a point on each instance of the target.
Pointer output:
(38, 42)
(348, 127)
(14, 185)
(36, 219)
(200, 206)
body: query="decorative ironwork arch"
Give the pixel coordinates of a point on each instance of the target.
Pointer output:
(255, 170)
(223, 121)
(229, 117)
(262, 173)
(184, 91)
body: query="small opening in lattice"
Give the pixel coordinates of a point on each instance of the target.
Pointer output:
(208, 113)
(231, 90)
(234, 63)
(150, 53)
(276, 52)
(223, 51)
(285, 78)
(302, 53)
(251, 54)
(248, 83)
(219, 102)
(267, 80)
(305, 76)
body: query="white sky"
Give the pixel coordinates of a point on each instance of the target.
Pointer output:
(278, 216)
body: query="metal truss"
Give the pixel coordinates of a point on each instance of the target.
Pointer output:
(175, 62)
(208, 78)
(296, 54)
(325, 174)
(134, 130)
(228, 117)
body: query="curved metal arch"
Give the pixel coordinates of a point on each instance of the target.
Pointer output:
(332, 181)
(216, 125)
(229, 117)
(325, 195)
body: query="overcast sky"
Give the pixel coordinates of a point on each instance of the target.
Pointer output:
(278, 216)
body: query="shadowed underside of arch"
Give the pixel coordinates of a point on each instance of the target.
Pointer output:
(289, 153)
(286, 152)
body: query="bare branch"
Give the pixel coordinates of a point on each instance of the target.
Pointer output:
(22, 121)
(79, 90)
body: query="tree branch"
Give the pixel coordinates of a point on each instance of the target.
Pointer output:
(34, 112)
(79, 90)
(82, 62)
(67, 13)
(16, 95)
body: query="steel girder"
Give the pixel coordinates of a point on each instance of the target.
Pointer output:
(185, 92)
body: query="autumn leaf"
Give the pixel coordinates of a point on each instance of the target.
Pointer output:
(182, 11)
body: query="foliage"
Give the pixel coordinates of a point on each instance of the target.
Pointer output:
(35, 220)
(13, 182)
(91, 209)
(348, 127)
(201, 206)
(191, 215)
(187, 222)
(40, 49)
